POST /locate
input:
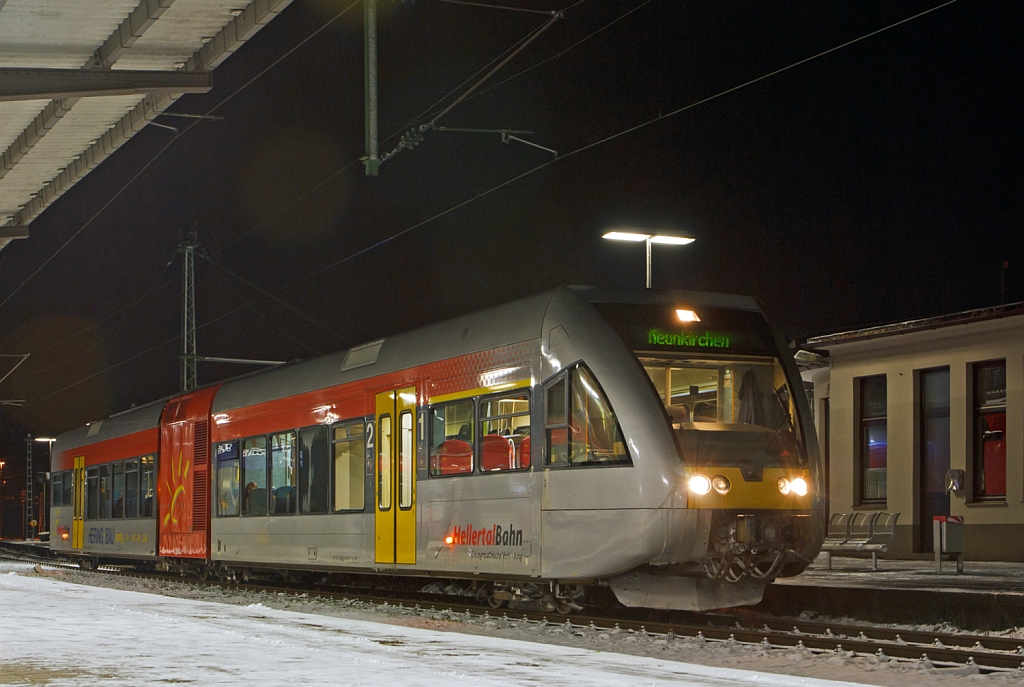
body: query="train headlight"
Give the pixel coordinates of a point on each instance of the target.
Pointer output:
(699, 484)
(720, 483)
(797, 486)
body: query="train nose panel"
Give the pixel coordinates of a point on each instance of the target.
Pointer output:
(680, 593)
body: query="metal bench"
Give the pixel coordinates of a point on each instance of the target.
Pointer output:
(862, 532)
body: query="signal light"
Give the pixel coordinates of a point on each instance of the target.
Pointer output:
(699, 484)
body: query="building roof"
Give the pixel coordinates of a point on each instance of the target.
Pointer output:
(937, 322)
(78, 79)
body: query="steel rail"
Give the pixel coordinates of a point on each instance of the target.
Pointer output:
(988, 653)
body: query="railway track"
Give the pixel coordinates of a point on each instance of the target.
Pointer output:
(988, 653)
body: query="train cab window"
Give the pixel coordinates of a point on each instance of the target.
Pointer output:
(117, 495)
(104, 493)
(729, 406)
(147, 486)
(581, 425)
(451, 438)
(131, 488)
(349, 449)
(228, 502)
(314, 470)
(254, 473)
(282, 473)
(92, 494)
(57, 490)
(505, 432)
(69, 486)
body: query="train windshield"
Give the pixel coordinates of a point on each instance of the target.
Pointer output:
(729, 410)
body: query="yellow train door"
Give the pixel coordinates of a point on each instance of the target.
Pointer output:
(396, 477)
(78, 513)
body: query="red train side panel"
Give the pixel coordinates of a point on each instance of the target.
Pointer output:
(183, 482)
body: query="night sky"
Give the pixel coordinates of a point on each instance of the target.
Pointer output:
(880, 182)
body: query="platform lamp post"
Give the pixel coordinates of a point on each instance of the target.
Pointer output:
(629, 234)
(43, 507)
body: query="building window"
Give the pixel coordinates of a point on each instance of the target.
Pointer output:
(873, 439)
(990, 430)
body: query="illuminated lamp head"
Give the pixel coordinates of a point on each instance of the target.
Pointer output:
(699, 484)
(449, 540)
(686, 315)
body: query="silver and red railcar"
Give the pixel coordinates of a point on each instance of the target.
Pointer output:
(656, 443)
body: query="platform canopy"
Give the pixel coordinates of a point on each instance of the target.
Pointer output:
(79, 78)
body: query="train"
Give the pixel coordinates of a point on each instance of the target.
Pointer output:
(675, 462)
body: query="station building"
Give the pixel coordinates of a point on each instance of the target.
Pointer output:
(927, 418)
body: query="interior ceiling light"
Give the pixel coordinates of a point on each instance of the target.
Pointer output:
(687, 315)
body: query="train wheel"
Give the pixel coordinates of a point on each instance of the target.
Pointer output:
(564, 606)
(203, 573)
(85, 564)
(494, 602)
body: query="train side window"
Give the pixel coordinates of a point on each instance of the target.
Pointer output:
(406, 460)
(596, 437)
(228, 501)
(104, 493)
(131, 488)
(314, 470)
(282, 473)
(117, 495)
(57, 490)
(384, 462)
(349, 450)
(147, 486)
(451, 438)
(581, 426)
(505, 432)
(254, 473)
(69, 486)
(557, 427)
(92, 494)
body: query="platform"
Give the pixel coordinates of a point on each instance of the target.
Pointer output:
(987, 596)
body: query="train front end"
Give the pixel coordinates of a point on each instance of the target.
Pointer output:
(746, 457)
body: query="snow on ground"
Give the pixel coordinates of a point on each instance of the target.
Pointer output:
(56, 632)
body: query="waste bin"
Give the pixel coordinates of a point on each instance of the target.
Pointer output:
(948, 535)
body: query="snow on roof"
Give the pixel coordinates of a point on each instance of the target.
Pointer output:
(59, 57)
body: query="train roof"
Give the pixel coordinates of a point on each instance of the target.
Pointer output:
(119, 425)
(502, 325)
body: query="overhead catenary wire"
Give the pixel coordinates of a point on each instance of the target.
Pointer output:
(411, 138)
(614, 136)
(546, 164)
(252, 306)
